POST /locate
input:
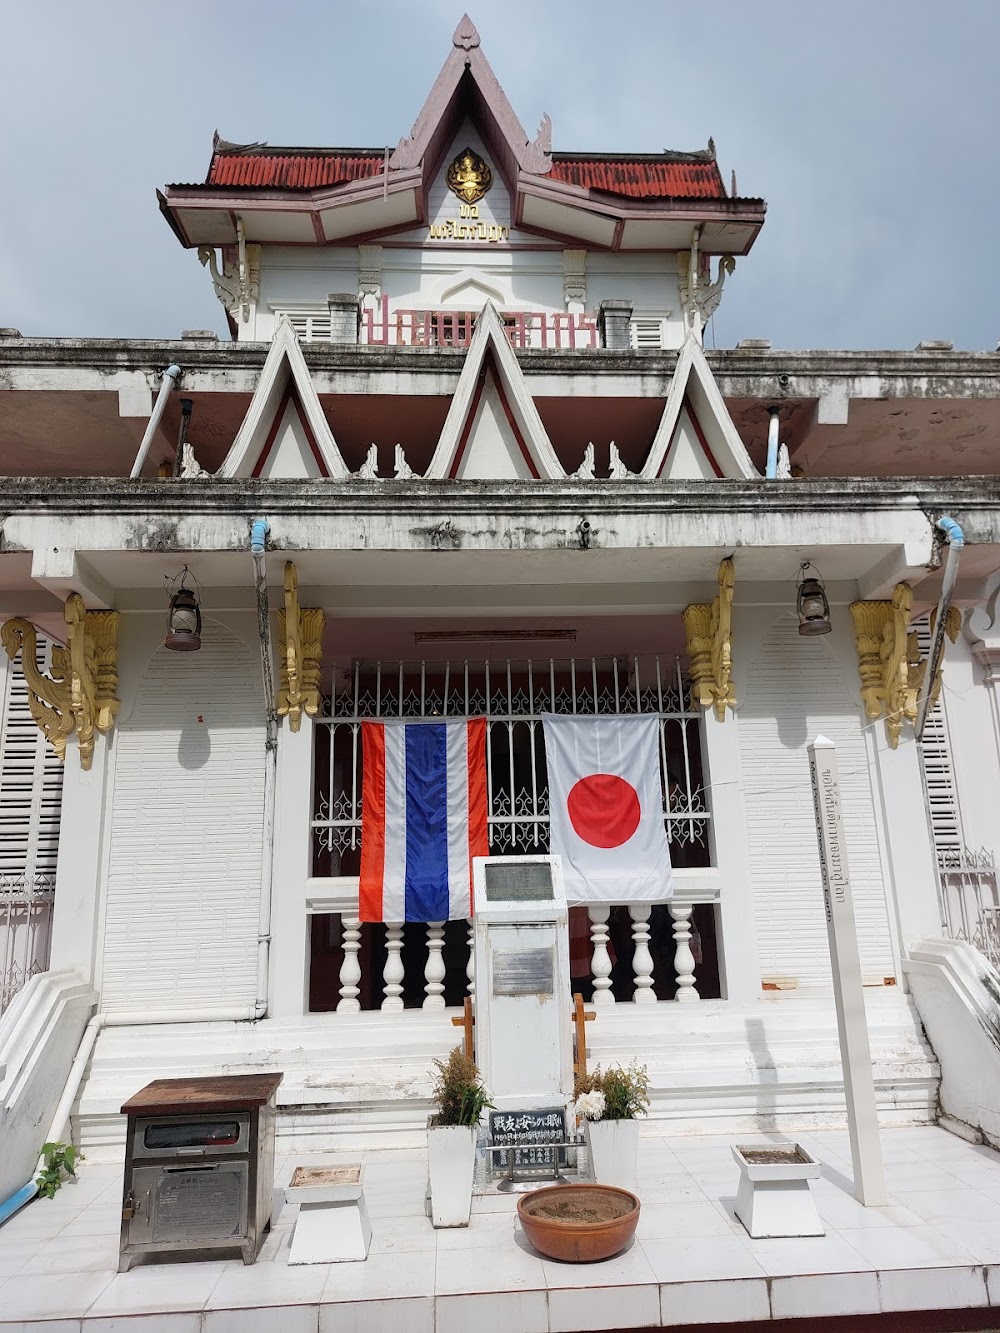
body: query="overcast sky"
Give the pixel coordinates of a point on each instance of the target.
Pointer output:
(869, 126)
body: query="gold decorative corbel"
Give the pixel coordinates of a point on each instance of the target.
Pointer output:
(709, 630)
(81, 693)
(889, 662)
(300, 649)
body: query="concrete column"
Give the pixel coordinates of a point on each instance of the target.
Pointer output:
(77, 910)
(909, 845)
(739, 963)
(345, 317)
(292, 852)
(615, 319)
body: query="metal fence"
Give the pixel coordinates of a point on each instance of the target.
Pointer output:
(970, 899)
(25, 931)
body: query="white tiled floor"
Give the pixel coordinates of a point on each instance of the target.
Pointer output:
(936, 1246)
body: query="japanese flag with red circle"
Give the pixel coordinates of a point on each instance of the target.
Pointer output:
(606, 807)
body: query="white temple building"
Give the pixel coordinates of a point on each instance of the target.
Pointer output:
(467, 455)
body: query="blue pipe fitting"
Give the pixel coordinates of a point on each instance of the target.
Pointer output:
(259, 529)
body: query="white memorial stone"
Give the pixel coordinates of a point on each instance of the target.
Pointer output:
(521, 1003)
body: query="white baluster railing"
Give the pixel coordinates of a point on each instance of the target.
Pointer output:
(680, 914)
(392, 973)
(642, 959)
(470, 967)
(350, 968)
(600, 963)
(434, 970)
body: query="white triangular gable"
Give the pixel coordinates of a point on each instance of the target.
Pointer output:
(493, 430)
(696, 436)
(284, 433)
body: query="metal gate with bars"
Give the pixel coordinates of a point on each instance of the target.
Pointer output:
(512, 695)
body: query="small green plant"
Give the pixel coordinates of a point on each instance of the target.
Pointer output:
(59, 1159)
(625, 1091)
(458, 1091)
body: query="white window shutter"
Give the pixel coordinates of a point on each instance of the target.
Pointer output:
(30, 782)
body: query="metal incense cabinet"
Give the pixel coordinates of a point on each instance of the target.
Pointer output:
(199, 1167)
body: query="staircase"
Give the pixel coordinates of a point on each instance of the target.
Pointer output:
(363, 1079)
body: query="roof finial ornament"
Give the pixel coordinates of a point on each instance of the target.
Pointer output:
(465, 34)
(538, 153)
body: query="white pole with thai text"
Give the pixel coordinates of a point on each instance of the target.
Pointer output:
(855, 1053)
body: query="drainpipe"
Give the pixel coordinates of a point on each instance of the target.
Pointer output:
(956, 541)
(771, 470)
(60, 1121)
(258, 538)
(170, 378)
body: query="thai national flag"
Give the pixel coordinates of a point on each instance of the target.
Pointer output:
(423, 818)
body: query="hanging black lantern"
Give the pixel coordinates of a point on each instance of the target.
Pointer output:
(183, 618)
(811, 602)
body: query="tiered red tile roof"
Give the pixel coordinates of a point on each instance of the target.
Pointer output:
(670, 176)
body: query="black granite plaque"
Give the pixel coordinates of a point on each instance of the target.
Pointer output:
(532, 1136)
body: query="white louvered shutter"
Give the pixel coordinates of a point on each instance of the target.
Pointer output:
(186, 833)
(646, 331)
(795, 690)
(30, 783)
(311, 326)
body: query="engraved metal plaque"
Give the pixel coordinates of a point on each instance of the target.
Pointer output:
(531, 883)
(523, 972)
(199, 1205)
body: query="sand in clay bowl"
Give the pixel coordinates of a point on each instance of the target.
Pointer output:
(579, 1223)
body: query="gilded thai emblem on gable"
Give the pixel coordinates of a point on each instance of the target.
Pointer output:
(469, 177)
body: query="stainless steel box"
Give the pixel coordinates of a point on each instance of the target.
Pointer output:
(199, 1167)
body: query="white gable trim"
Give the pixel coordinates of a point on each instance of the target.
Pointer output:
(694, 381)
(490, 342)
(285, 365)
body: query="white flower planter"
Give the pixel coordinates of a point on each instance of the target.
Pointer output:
(614, 1151)
(774, 1198)
(451, 1160)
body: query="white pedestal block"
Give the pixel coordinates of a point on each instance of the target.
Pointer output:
(774, 1199)
(332, 1225)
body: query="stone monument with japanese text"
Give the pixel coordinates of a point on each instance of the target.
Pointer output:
(522, 995)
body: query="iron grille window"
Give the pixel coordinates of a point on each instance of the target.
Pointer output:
(512, 696)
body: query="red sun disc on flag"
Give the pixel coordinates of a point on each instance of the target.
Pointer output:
(604, 809)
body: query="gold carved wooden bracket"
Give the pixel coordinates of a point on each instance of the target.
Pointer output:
(709, 630)
(80, 695)
(889, 662)
(300, 648)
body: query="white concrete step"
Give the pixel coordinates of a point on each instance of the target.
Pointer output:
(365, 1078)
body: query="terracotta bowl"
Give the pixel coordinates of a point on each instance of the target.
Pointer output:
(585, 1223)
